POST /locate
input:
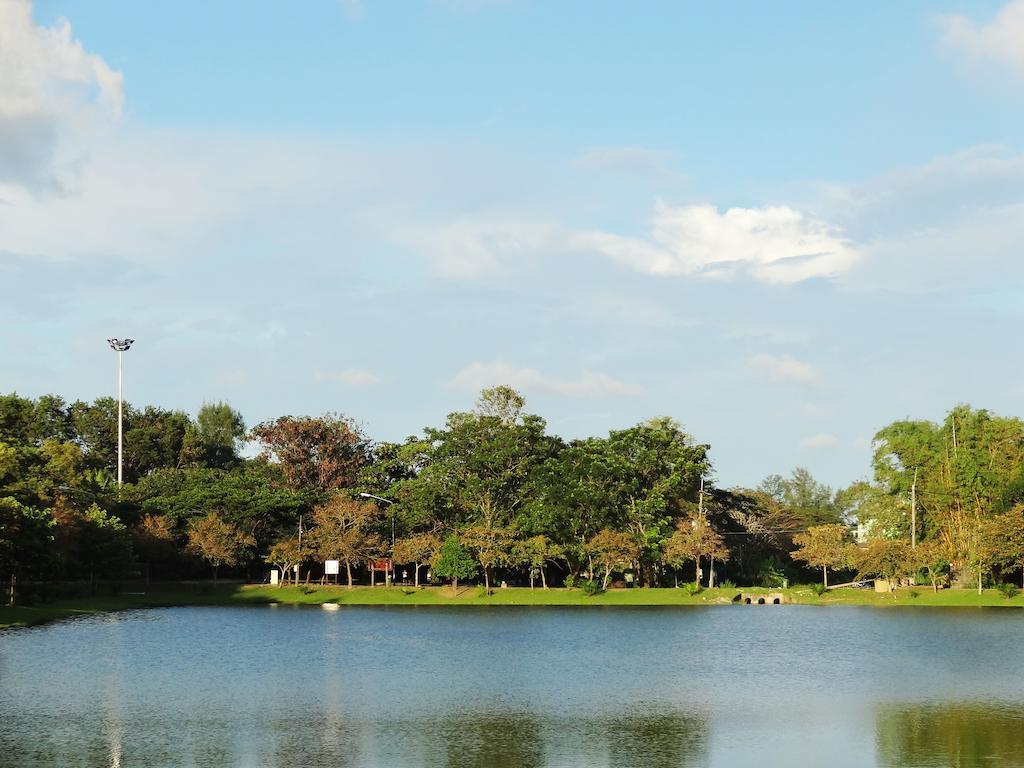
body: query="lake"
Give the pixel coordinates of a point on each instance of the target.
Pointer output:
(517, 687)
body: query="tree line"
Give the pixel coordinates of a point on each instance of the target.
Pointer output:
(490, 495)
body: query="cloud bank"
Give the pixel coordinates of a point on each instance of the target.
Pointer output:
(1000, 41)
(775, 244)
(50, 89)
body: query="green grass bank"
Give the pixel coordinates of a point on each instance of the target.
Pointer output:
(164, 595)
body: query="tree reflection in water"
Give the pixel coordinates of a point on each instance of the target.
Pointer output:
(949, 735)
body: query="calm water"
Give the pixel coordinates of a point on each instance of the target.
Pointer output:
(730, 686)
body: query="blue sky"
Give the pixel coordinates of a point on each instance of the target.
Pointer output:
(783, 224)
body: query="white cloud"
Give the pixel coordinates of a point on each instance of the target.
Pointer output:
(477, 376)
(50, 88)
(350, 377)
(819, 442)
(785, 368)
(1000, 41)
(777, 244)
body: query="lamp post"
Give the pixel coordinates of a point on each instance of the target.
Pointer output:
(390, 503)
(120, 346)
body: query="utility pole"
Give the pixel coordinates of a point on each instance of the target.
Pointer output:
(120, 346)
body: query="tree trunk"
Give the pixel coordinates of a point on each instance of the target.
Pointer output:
(373, 576)
(935, 584)
(487, 580)
(531, 579)
(696, 570)
(348, 573)
(824, 575)
(215, 577)
(11, 594)
(416, 576)
(543, 578)
(455, 585)
(979, 581)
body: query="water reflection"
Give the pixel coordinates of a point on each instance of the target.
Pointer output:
(506, 740)
(530, 688)
(949, 735)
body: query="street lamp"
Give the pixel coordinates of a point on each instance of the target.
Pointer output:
(120, 346)
(390, 503)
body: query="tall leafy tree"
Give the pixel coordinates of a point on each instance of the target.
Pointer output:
(824, 546)
(693, 539)
(322, 453)
(345, 530)
(216, 436)
(454, 562)
(217, 541)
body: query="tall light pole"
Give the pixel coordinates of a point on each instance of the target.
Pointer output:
(120, 346)
(390, 503)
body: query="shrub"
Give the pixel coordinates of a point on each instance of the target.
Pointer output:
(693, 588)
(591, 587)
(819, 589)
(727, 584)
(571, 580)
(913, 593)
(770, 573)
(1008, 590)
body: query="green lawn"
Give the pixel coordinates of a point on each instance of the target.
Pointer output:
(234, 594)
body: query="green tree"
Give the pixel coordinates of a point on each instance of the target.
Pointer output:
(536, 552)
(153, 540)
(492, 544)
(693, 539)
(482, 460)
(1005, 538)
(961, 472)
(216, 436)
(344, 530)
(322, 454)
(25, 542)
(454, 562)
(419, 549)
(810, 502)
(887, 559)
(824, 546)
(286, 553)
(217, 541)
(613, 550)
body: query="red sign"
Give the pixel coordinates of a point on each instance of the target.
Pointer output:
(381, 564)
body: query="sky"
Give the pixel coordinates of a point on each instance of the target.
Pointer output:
(783, 224)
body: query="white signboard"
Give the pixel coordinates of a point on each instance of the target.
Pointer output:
(273, 576)
(331, 567)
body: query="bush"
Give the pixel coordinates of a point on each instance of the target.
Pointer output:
(1008, 590)
(571, 580)
(727, 584)
(914, 593)
(591, 587)
(819, 589)
(770, 573)
(693, 588)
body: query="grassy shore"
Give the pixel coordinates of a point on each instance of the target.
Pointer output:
(234, 594)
